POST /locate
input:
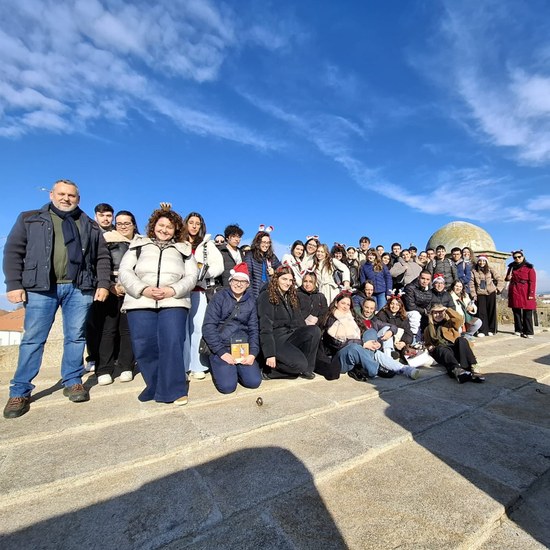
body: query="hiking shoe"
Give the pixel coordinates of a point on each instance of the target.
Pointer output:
(126, 376)
(16, 407)
(475, 369)
(104, 379)
(180, 401)
(76, 393)
(462, 375)
(307, 375)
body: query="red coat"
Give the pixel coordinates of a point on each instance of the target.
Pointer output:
(522, 289)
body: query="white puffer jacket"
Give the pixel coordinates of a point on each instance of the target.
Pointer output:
(145, 264)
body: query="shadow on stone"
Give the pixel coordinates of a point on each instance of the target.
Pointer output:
(499, 441)
(254, 498)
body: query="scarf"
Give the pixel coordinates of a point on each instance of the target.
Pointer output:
(71, 237)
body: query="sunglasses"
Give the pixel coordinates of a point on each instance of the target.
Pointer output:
(518, 257)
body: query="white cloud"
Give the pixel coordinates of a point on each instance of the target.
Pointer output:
(542, 202)
(65, 66)
(498, 78)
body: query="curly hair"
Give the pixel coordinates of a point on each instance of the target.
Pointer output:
(255, 250)
(274, 291)
(401, 313)
(173, 217)
(198, 238)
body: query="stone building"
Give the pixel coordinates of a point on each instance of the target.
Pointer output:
(463, 234)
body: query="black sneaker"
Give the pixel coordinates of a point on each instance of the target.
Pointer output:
(478, 378)
(462, 375)
(307, 375)
(16, 407)
(383, 372)
(358, 374)
(76, 393)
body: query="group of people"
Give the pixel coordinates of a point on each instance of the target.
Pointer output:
(177, 303)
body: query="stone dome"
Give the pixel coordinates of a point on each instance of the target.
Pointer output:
(462, 234)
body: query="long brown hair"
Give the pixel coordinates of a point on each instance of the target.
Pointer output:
(198, 238)
(255, 250)
(377, 264)
(274, 292)
(338, 298)
(401, 313)
(327, 262)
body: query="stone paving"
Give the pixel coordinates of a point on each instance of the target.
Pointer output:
(388, 464)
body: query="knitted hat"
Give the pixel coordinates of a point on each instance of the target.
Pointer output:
(439, 278)
(482, 257)
(240, 271)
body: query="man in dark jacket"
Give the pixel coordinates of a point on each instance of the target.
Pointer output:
(54, 257)
(418, 298)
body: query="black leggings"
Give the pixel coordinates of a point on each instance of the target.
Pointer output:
(296, 355)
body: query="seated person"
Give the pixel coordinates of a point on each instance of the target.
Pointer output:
(357, 354)
(393, 313)
(444, 344)
(313, 303)
(365, 291)
(418, 298)
(439, 294)
(231, 319)
(288, 344)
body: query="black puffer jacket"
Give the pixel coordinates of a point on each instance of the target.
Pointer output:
(417, 299)
(312, 303)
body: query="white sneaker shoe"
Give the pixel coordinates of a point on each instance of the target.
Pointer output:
(517, 333)
(104, 380)
(480, 335)
(198, 375)
(181, 401)
(126, 376)
(89, 366)
(490, 334)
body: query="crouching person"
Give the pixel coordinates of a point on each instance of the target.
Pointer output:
(230, 329)
(443, 341)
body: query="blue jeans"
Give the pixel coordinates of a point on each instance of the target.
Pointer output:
(380, 300)
(194, 361)
(40, 310)
(226, 376)
(157, 338)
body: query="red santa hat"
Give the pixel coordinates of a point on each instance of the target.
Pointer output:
(439, 278)
(240, 271)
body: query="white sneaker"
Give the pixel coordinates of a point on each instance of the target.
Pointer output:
(198, 375)
(490, 334)
(89, 366)
(517, 333)
(104, 380)
(181, 401)
(126, 376)
(480, 335)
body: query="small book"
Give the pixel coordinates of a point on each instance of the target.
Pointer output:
(239, 350)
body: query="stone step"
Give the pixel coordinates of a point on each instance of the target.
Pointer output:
(421, 464)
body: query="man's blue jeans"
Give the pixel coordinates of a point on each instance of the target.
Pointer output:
(40, 311)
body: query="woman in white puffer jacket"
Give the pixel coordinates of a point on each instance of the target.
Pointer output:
(158, 273)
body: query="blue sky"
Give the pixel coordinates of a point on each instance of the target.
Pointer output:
(340, 119)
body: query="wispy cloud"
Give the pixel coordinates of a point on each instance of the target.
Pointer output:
(502, 81)
(542, 202)
(65, 66)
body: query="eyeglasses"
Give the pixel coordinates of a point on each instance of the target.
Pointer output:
(265, 242)
(124, 224)
(518, 257)
(239, 281)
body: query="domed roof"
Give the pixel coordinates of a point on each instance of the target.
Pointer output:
(462, 234)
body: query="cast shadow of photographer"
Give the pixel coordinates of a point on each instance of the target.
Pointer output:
(253, 498)
(496, 435)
